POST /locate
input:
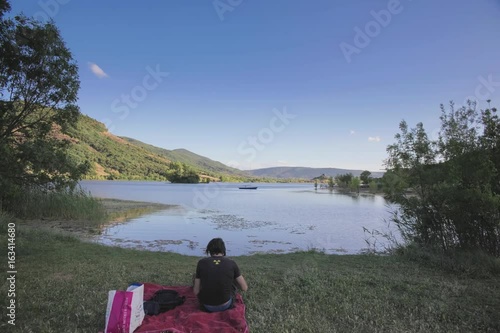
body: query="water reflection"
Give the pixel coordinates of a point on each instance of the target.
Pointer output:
(275, 218)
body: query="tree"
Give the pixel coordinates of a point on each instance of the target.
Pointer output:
(354, 185)
(4, 8)
(393, 184)
(366, 177)
(331, 183)
(344, 180)
(38, 91)
(182, 173)
(455, 199)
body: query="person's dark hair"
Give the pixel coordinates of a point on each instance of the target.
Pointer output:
(215, 246)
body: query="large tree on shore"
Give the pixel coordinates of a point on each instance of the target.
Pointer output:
(455, 181)
(366, 177)
(38, 93)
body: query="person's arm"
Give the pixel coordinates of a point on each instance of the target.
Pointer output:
(197, 286)
(243, 284)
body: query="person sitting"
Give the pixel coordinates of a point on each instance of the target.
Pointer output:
(216, 278)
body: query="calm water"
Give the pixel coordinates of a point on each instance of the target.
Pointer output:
(274, 218)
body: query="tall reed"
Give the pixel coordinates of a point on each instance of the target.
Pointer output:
(66, 204)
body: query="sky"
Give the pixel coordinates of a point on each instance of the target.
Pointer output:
(253, 84)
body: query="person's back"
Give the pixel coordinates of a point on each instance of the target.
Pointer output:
(216, 277)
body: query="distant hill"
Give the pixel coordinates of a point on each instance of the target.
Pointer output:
(188, 157)
(304, 173)
(113, 157)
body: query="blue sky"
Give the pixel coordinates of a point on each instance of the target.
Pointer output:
(262, 83)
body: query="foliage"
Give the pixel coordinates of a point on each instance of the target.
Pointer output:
(38, 91)
(455, 197)
(331, 183)
(4, 7)
(182, 173)
(355, 183)
(344, 180)
(68, 204)
(365, 177)
(393, 184)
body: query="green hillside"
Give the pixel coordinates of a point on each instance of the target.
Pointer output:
(113, 157)
(185, 156)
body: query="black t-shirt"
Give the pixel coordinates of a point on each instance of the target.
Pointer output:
(217, 275)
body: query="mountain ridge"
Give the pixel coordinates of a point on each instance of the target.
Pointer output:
(122, 157)
(186, 156)
(305, 172)
(114, 157)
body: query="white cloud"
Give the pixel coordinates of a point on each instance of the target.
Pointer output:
(374, 139)
(97, 70)
(352, 132)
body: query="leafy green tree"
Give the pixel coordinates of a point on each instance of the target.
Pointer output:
(182, 173)
(38, 91)
(4, 8)
(355, 183)
(373, 186)
(455, 199)
(331, 183)
(365, 177)
(344, 180)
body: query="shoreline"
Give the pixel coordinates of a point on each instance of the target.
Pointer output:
(117, 210)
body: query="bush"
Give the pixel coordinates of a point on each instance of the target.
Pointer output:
(454, 202)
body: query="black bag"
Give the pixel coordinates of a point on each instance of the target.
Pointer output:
(163, 300)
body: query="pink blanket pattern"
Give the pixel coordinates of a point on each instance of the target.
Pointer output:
(188, 318)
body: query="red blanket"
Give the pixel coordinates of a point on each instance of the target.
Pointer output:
(188, 318)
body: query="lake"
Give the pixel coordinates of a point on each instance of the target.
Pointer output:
(275, 218)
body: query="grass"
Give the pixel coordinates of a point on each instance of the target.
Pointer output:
(66, 205)
(63, 283)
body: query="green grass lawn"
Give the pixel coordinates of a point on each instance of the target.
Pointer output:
(62, 286)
